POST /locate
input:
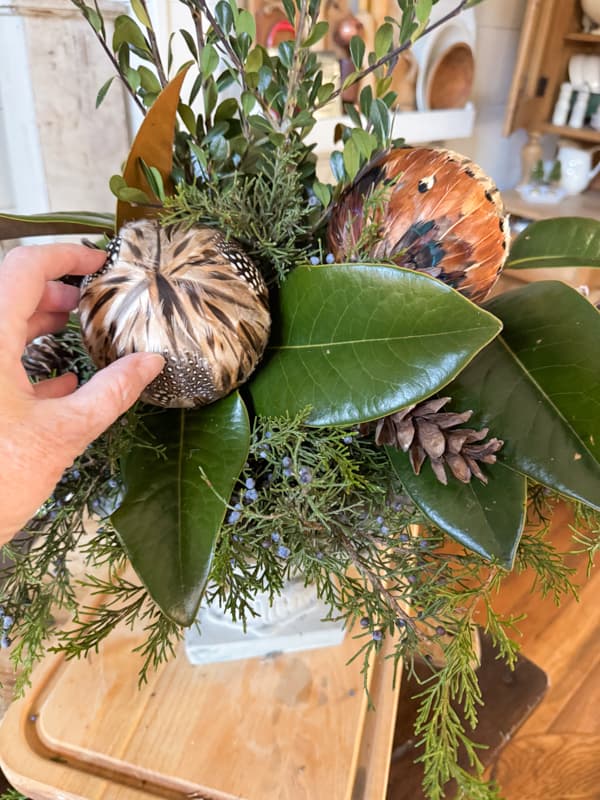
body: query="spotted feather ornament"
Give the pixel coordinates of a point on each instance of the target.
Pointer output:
(428, 209)
(184, 292)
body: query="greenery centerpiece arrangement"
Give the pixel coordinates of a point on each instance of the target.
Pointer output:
(340, 402)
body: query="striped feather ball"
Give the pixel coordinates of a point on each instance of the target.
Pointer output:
(187, 293)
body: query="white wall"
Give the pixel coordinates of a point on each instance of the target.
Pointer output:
(498, 31)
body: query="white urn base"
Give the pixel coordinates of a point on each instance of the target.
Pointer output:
(293, 622)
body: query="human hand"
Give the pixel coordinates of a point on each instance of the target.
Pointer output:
(44, 426)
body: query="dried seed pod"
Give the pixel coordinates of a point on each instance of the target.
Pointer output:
(184, 292)
(427, 209)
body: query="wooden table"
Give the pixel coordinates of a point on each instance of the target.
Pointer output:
(291, 727)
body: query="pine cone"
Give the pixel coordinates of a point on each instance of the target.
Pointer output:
(55, 354)
(423, 430)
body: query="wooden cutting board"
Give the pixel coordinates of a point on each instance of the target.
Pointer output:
(291, 727)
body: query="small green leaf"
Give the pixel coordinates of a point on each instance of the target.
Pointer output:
(245, 23)
(116, 183)
(286, 53)
(317, 33)
(357, 51)
(322, 193)
(93, 17)
(255, 60)
(140, 12)
(150, 82)
(188, 117)
(209, 59)
(224, 16)
(127, 32)
(365, 142)
(563, 242)
(384, 39)
(226, 110)
(191, 44)
(351, 155)
(488, 519)
(103, 90)
(154, 179)
(248, 102)
(365, 101)
(380, 120)
(355, 342)
(173, 508)
(130, 195)
(133, 79)
(290, 10)
(336, 161)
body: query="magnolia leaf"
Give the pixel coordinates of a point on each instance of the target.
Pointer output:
(538, 388)
(17, 226)
(564, 242)
(487, 518)
(154, 144)
(175, 499)
(355, 342)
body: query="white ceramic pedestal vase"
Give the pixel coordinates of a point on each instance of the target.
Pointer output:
(293, 622)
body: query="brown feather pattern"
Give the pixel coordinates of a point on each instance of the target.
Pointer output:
(431, 210)
(184, 292)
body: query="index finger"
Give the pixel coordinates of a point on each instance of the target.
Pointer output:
(25, 272)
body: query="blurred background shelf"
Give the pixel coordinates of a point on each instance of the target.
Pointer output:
(586, 204)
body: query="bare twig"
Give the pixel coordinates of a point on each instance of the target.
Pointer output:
(154, 50)
(81, 6)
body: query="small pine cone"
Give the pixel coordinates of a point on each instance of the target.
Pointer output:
(424, 431)
(47, 356)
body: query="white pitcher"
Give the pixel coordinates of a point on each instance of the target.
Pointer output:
(576, 167)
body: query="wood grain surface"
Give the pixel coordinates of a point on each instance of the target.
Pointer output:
(551, 752)
(288, 727)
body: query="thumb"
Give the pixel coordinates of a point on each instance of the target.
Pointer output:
(110, 392)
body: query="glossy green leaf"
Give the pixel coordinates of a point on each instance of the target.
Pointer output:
(19, 226)
(358, 341)
(172, 511)
(538, 388)
(564, 242)
(487, 518)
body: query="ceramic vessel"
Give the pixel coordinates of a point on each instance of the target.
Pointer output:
(592, 9)
(293, 621)
(576, 167)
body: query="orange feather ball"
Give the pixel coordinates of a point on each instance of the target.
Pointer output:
(427, 209)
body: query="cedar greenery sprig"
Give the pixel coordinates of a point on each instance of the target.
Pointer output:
(316, 502)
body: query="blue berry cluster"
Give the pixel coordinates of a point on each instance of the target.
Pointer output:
(329, 259)
(6, 624)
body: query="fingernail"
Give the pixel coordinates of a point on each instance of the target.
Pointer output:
(149, 364)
